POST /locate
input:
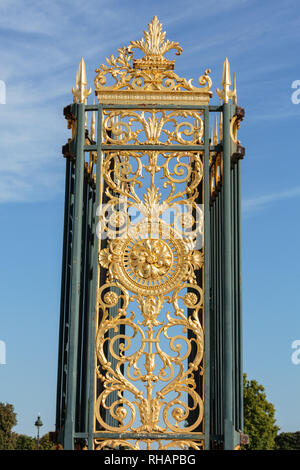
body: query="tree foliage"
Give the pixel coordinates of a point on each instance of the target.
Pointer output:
(23, 442)
(45, 443)
(288, 441)
(8, 419)
(12, 441)
(259, 417)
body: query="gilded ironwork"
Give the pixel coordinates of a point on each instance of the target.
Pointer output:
(150, 338)
(153, 127)
(225, 93)
(150, 78)
(147, 444)
(80, 92)
(234, 127)
(153, 264)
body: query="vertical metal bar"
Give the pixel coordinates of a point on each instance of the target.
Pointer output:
(63, 299)
(81, 344)
(86, 362)
(237, 307)
(75, 283)
(221, 313)
(228, 356)
(67, 299)
(212, 316)
(234, 294)
(206, 282)
(217, 307)
(94, 260)
(240, 312)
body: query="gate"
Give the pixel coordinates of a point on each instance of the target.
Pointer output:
(149, 355)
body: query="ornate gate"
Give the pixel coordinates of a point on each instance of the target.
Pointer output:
(136, 361)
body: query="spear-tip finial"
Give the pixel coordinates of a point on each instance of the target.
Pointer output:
(225, 93)
(80, 92)
(226, 78)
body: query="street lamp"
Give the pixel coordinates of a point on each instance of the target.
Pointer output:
(38, 424)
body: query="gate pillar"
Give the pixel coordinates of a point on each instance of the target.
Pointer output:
(150, 347)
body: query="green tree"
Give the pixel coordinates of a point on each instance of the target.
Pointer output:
(8, 419)
(288, 441)
(259, 417)
(23, 442)
(45, 443)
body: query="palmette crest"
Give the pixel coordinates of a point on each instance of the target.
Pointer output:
(152, 72)
(154, 45)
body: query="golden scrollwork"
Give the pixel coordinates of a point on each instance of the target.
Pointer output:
(153, 127)
(163, 407)
(150, 78)
(150, 338)
(149, 349)
(148, 444)
(234, 127)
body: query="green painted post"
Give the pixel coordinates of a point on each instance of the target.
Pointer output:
(213, 311)
(206, 281)
(221, 297)
(217, 316)
(228, 353)
(69, 428)
(233, 287)
(240, 293)
(63, 298)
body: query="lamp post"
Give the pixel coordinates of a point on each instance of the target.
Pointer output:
(38, 424)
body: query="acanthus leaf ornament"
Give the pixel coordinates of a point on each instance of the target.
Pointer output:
(150, 78)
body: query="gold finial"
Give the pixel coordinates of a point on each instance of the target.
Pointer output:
(80, 91)
(211, 136)
(216, 138)
(226, 94)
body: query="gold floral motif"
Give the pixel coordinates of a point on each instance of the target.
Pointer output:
(150, 265)
(111, 298)
(150, 259)
(190, 299)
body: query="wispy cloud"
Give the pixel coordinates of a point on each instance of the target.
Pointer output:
(41, 44)
(261, 202)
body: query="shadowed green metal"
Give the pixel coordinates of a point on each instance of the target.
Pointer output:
(69, 427)
(228, 353)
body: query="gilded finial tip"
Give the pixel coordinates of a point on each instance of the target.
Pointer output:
(80, 92)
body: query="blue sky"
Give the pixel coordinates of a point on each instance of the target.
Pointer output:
(41, 44)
